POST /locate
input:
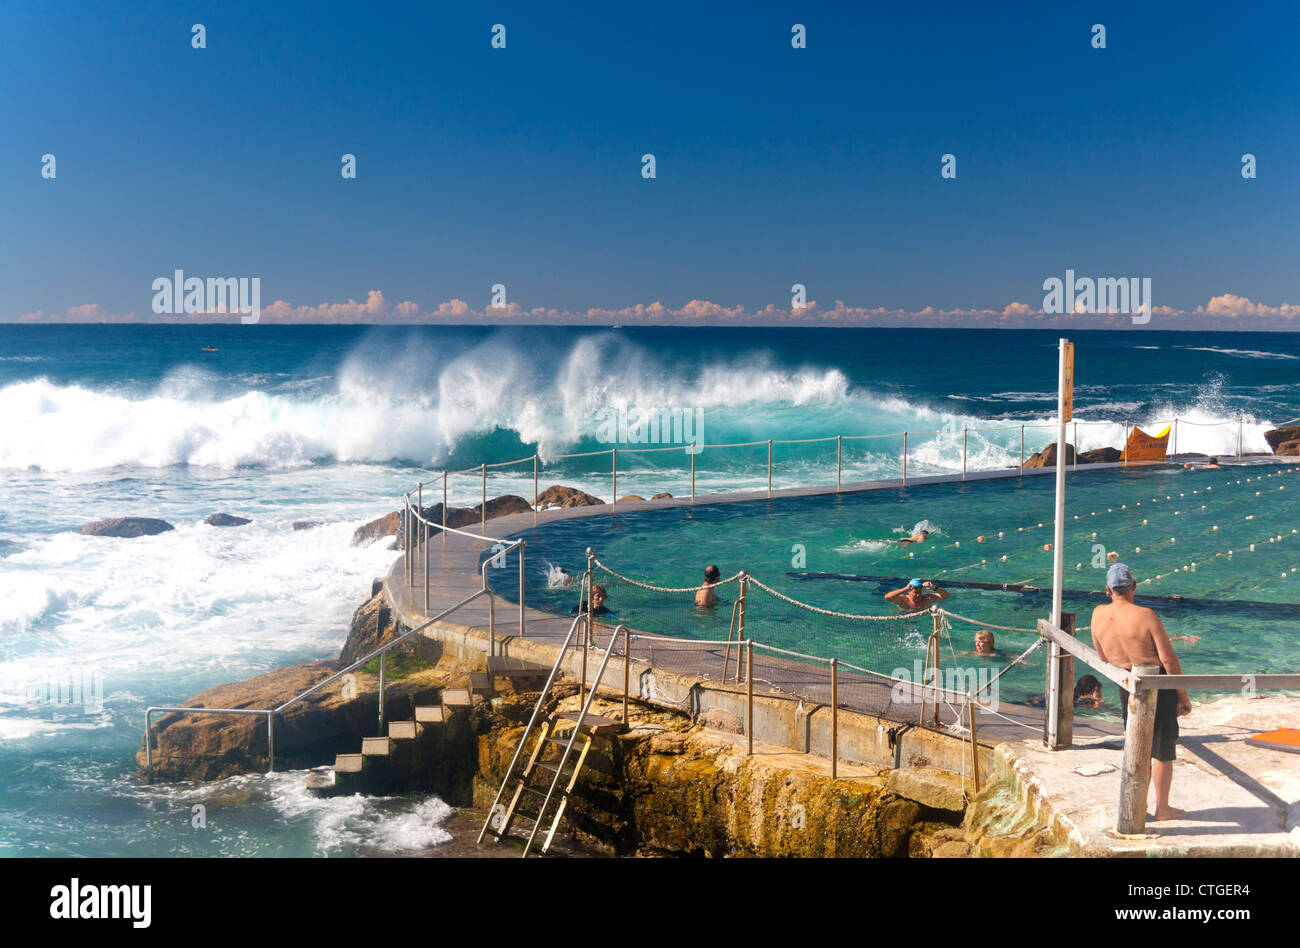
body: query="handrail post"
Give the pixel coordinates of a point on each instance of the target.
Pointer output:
(1175, 437)
(406, 541)
(938, 679)
(1135, 773)
(521, 588)
(382, 656)
(964, 433)
(1075, 466)
(839, 460)
(627, 661)
(270, 742)
(1022, 450)
(535, 494)
(769, 467)
(971, 708)
(483, 522)
(1058, 734)
(749, 686)
(740, 633)
(424, 553)
(904, 458)
(692, 454)
(1241, 423)
(1124, 455)
(586, 630)
(835, 717)
(613, 476)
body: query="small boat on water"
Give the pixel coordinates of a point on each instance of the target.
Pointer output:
(211, 349)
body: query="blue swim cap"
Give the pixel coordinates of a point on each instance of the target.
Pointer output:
(1119, 577)
(915, 582)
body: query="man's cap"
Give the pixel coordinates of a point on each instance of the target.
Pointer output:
(1119, 577)
(916, 583)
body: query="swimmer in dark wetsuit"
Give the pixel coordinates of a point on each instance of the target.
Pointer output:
(1126, 634)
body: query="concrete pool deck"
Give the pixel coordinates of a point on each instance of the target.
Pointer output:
(1242, 800)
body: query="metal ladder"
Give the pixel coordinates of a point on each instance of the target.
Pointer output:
(562, 771)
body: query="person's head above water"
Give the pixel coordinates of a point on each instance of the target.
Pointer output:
(712, 574)
(984, 642)
(597, 596)
(1119, 579)
(1087, 688)
(914, 584)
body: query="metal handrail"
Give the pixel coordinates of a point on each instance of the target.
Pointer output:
(271, 712)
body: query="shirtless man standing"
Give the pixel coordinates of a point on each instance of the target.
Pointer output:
(1126, 634)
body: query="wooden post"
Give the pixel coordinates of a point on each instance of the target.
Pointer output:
(1135, 773)
(835, 717)
(972, 706)
(740, 633)
(1064, 691)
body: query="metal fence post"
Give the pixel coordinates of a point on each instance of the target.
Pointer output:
(382, 656)
(740, 625)
(692, 454)
(971, 708)
(270, 742)
(483, 472)
(835, 717)
(938, 679)
(769, 468)
(444, 508)
(1022, 450)
(1241, 423)
(613, 475)
(627, 662)
(904, 458)
(1075, 466)
(1063, 690)
(749, 684)
(424, 547)
(964, 433)
(839, 460)
(1135, 773)
(535, 495)
(521, 589)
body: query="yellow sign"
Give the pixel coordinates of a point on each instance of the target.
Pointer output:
(1068, 389)
(1144, 447)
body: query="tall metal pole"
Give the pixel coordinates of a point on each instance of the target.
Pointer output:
(1241, 422)
(835, 717)
(769, 468)
(613, 475)
(749, 690)
(692, 475)
(839, 460)
(483, 523)
(1075, 466)
(1022, 450)
(534, 482)
(521, 591)
(964, 433)
(444, 508)
(904, 458)
(1058, 552)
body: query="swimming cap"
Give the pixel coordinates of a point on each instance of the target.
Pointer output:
(916, 582)
(1119, 577)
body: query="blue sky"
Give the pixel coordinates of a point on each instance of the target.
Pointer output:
(521, 166)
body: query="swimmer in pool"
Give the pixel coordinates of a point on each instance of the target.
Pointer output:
(919, 537)
(917, 595)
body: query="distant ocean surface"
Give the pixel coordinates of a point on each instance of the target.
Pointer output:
(332, 424)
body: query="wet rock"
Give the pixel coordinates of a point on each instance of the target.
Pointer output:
(503, 506)
(226, 520)
(662, 495)
(386, 526)
(630, 498)
(126, 527)
(1047, 457)
(1278, 437)
(560, 496)
(1100, 456)
(307, 524)
(929, 786)
(1289, 449)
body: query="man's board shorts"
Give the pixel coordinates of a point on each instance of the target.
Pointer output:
(1164, 737)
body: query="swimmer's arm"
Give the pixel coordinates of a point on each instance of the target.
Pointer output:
(896, 595)
(941, 593)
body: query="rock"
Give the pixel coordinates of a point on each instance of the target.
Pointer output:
(721, 720)
(663, 495)
(630, 498)
(669, 742)
(307, 524)
(560, 496)
(1101, 456)
(931, 840)
(226, 520)
(894, 825)
(386, 526)
(1289, 449)
(1047, 457)
(372, 626)
(126, 527)
(929, 786)
(503, 506)
(1277, 437)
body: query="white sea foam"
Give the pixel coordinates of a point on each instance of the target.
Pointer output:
(1247, 353)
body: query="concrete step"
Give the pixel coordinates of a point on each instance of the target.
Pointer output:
(403, 730)
(376, 746)
(348, 763)
(480, 683)
(455, 698)
(505, 667)
(429, 714)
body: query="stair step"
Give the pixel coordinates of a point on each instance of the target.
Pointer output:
(403, 730)
(507, 667)
(429, 714)
(592, 724)
(457, 698)
(376, 746)
(348, 763)
(320, 780)
(481, 683)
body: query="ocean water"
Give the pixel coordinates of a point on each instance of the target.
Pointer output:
(331, 424)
